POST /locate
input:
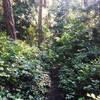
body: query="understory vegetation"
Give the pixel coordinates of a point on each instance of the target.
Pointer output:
(67, 39)
(78, 57)
(22, 75)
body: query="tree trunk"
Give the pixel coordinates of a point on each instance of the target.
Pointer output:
(45, 3)
(9, 18)
(85, 3)
(40, 32)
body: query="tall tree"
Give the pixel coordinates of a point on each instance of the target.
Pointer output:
(40, 31)
(9, 18)
(42, 3)
(45, 3)
(85, 3)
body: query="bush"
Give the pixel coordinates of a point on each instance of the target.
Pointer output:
(21, 73)
(78, 58)
(80, 79)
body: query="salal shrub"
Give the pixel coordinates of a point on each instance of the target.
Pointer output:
(79, 60)
(80, 79)
(21, 73)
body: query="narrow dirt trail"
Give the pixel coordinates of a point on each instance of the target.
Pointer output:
(55, 93)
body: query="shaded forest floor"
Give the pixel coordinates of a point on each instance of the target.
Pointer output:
(54, 92)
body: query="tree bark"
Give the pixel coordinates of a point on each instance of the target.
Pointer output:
(45, 3)
(40, 32)
(9, 18)
(85, 3)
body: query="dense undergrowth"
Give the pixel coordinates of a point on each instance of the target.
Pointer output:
(78, 56)
(23, 69)
(22, 76)
(68, 59)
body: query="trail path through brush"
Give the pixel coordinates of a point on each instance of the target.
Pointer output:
(54, 92)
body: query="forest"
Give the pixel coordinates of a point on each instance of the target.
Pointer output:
(49, 49)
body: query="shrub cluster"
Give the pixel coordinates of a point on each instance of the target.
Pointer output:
(21, 73)
(79, 60)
